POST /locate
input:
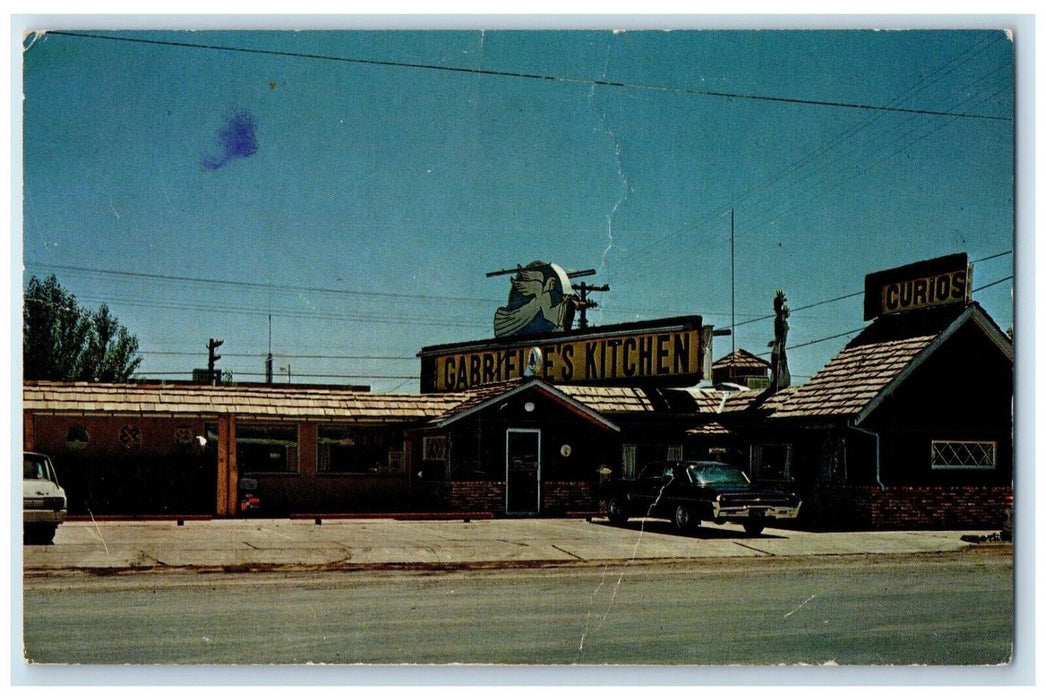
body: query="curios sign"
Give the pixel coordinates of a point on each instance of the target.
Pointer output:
(928, 283)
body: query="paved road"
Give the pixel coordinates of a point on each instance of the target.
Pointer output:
(942, 608)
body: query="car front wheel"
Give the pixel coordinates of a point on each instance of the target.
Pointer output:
(754, 527)
(683, 519)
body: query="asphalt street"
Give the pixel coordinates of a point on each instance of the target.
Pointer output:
(928, 609)
(553, 592)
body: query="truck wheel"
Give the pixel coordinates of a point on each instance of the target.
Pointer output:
(683, 519)
(616, 513)
(754, 527)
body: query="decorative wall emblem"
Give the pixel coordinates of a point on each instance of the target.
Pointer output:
(183, 436)
(131, 437)
(77, 437)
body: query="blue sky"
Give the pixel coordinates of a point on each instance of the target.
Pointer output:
(393, 169)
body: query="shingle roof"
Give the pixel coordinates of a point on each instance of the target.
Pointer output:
(276, 403)
(714, 428)
(852, 378)
(709, 400)
(870, 362)
(610, 399)
(741, 358)
(253, 401)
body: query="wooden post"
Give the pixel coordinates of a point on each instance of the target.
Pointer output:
(234, 470)
(227, 472)
(222, 490)
(28, 432)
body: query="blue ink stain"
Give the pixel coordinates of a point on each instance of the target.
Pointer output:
(237, 140)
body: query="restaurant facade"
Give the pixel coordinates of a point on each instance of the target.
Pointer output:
(909, 425)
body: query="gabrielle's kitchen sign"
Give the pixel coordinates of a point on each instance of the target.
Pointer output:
(945, 280)
(670, 351)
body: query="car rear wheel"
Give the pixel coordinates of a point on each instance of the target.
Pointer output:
(754, 527)
(616, 513)
(683, 519)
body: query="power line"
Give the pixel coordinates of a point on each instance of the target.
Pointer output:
(236, 373)
(856, 330)
(291, 313)
(860, 293)
(793, 168)
(253, 285)
(420, 321)
(992, 284)
(186, 353)
(532, 76)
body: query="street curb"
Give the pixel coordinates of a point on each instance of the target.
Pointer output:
(345, 566)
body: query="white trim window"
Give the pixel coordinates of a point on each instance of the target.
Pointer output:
(963, 454)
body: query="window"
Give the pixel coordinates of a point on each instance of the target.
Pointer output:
(267, 449)
(628, 461)
(344, 450)
(434, 449)
(962, 454)
(771, 462)
(833, 459)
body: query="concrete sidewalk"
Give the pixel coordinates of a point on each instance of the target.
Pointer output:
(278, 544)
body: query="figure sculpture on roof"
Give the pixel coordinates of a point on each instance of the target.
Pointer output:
(541, 301)
(780, 377)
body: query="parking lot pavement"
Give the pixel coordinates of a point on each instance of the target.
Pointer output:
(274, 544)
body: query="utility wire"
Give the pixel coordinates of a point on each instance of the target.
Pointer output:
(252, 285)
(530, 76)
(236, 373)
(857, 294)
(794, 169)
(188, 353)
(992, 284)
(856, 330)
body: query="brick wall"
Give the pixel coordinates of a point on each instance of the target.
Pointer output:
(906, 507)
(557, 497)
(450, 496)
(560, 497)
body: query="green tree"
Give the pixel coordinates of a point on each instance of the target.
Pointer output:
(63, 341)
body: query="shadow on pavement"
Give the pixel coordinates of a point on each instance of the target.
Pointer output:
(703, 532)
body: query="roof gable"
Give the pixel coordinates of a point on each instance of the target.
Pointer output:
(496, 394)
(877, 361)
(741, 358)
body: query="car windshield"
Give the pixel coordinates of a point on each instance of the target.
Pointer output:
(34, 468)
(717, 474)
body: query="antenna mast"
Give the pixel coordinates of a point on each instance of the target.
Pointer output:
(733, 321)
(268, 358)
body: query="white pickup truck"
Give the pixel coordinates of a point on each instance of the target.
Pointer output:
(43, 500)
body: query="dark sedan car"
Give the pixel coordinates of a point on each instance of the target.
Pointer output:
(688, 492)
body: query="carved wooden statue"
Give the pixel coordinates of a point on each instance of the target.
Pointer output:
(779, 374)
